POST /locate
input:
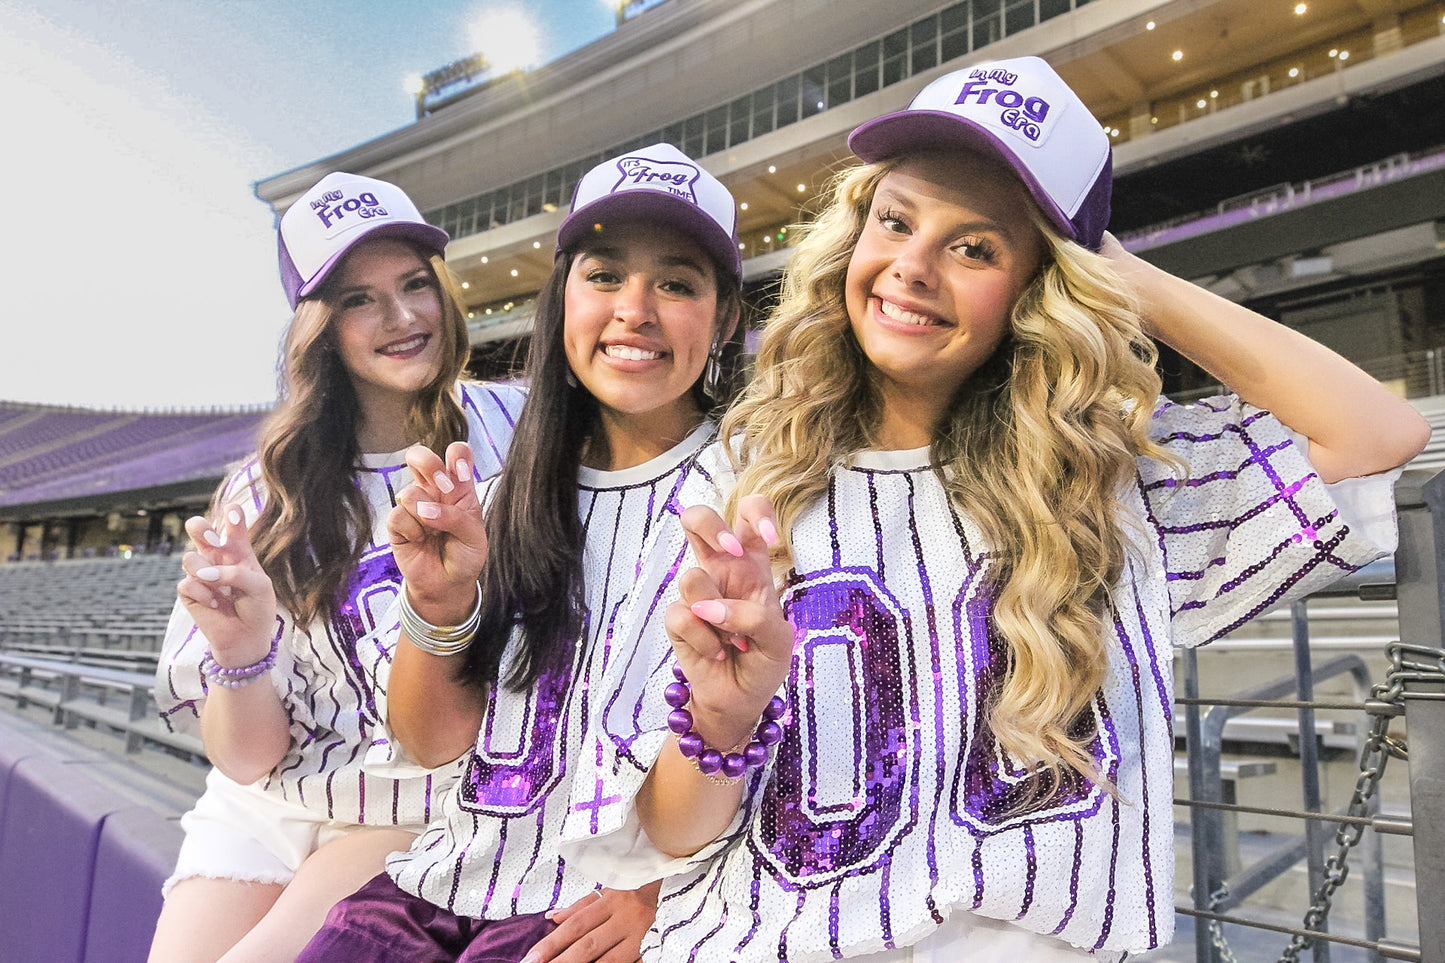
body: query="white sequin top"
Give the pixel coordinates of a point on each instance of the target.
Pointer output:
(888, 806)
(492, 852)
(331, 674)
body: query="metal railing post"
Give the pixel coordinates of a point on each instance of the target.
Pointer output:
(1204, 824)
(1419, 566)
(1309, 759)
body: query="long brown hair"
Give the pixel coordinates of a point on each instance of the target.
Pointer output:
(315, 522)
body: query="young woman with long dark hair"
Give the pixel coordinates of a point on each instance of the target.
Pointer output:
(511, 621)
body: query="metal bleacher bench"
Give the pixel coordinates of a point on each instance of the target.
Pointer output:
(1265, 730)
(75, 691)
(1232, 770)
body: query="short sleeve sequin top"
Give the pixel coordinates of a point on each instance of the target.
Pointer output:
(889, 806)
(331, 674)
(492, 852)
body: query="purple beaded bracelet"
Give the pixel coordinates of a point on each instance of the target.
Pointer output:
(711, 762)
(234, 678)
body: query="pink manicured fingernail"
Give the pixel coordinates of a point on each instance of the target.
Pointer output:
(549, 914)
(710, 610)
(428, 509)
(208, 574)
(212, 538)
(721, 656)
(768, 531)
(225, 590)
(740, 642)
(443, 482)
(235, 516)
(730, 544)
(464, 470)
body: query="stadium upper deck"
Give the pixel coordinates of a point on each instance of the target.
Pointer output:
(74, 481)
(1288, 154)
(1323, 120)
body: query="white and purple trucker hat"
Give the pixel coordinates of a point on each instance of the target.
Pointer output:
(335, 215)
(658, 183)
(1023, 113)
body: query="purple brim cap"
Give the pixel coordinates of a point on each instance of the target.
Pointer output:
(1022, 113)
(657, 184)
(337, 213)
(431, 239)
(652, 207)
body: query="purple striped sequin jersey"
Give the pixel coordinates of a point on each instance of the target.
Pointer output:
(492, 852)
(888, 805)
(332, 674)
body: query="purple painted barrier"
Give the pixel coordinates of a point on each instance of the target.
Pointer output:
(13, 748)
(80, 867)
(137, 851)
(1237, 211)
(49, 831)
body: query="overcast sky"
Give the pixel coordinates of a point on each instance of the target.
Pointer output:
(140, 266)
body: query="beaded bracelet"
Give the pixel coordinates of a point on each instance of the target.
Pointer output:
(710, 762)
(439, 639)
(234, 677)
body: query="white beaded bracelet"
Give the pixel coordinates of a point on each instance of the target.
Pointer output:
(439, 639)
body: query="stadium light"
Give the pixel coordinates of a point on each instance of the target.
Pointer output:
(507, 37)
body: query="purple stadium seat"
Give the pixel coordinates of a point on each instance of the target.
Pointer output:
(13, 748)
(137, 851)
(49, 830)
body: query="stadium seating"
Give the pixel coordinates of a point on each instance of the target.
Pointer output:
(49, 454)
(76, 604)
(83, 866)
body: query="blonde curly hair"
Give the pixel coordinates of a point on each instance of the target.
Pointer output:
(1037, 448)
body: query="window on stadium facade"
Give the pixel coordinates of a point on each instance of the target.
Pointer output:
(922, 45)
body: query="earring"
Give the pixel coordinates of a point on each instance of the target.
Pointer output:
(712, 373)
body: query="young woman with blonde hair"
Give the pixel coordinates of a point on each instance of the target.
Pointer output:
(991, 532)
(280, 644)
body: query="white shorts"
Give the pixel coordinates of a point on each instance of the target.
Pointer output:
(244, 833)
(967, 936)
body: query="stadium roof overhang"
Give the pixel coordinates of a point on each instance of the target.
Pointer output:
(1118, 56)
(196, 492)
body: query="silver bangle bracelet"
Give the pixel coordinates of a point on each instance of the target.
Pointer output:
(439, 639)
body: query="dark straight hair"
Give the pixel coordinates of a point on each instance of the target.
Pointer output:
(533, 575)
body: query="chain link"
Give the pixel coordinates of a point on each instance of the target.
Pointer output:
(1407, 662)
(1222, 949)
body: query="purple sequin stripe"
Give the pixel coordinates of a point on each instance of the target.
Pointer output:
(331, 673)
(494, 851)
(891, 805)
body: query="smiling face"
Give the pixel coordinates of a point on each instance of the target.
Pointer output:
(387, 316)
(641, 313)
(947, 247)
